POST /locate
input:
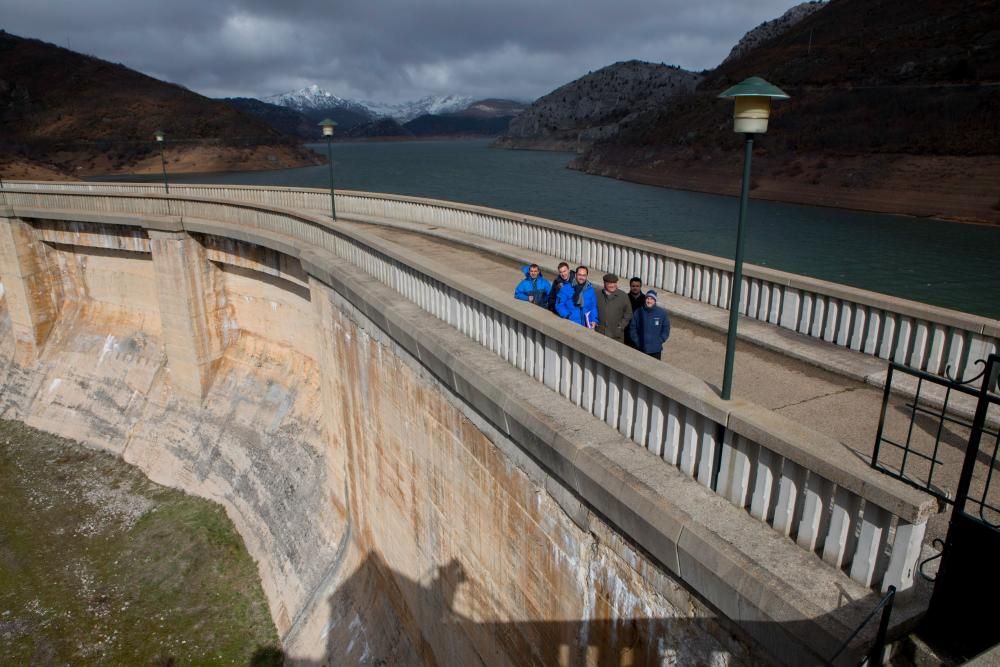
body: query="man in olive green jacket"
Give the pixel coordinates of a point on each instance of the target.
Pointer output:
(614, 310)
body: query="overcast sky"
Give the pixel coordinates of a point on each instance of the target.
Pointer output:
(388, 50)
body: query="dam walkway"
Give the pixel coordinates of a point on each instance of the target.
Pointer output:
(833, 391)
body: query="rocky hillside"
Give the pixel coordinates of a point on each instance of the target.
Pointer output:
(283, 119)
(768, 30)
(893, 108)
(596, 106)
(76, 114)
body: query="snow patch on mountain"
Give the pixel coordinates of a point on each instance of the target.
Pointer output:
(313, 97)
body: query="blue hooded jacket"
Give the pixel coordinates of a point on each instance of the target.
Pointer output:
(538, 288)
(581, 314)
(649, 329)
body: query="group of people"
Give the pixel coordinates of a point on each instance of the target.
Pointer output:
(632, 318)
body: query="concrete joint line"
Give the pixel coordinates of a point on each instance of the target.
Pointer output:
(845, 390)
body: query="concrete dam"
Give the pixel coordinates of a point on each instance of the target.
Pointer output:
(428, 472)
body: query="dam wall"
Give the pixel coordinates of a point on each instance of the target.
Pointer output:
(408, 495)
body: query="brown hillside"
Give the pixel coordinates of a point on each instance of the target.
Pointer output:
(893, 108)
(86, 115)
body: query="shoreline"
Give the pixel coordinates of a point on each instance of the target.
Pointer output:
(959, 189)
(800, 201)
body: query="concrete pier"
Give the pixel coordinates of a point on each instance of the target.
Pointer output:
(28, 286)
(190, 301)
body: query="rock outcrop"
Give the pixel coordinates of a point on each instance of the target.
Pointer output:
(598, 105)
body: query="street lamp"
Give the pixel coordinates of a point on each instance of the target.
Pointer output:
(328, 127)
(159, 140)
(753, 106)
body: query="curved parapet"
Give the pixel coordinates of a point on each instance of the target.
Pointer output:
(922, 336)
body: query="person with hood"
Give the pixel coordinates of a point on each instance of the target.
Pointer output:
(577, 301)
(650, 327)
(534, 288)
(613, 310)
(563, 276)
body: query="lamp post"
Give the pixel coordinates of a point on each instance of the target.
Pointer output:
(328, 127)
(163, 162)
(753, 106)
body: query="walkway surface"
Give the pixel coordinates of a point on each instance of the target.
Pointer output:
(832, 390)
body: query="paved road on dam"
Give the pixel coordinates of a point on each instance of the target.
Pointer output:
(838, 404)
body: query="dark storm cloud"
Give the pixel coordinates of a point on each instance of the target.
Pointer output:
(388, 50)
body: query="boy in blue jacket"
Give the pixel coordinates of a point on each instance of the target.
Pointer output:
(534, 288)
(577, 301)
(650, 327)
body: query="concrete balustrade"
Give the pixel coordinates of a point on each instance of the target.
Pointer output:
(929, 338)
(804, 485)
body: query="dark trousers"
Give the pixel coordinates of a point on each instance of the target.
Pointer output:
(658, 355)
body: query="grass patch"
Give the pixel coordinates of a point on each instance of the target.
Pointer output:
(98, 565)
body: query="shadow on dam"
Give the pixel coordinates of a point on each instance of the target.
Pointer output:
(381, 618)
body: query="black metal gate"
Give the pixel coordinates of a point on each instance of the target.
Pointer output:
(950, 451)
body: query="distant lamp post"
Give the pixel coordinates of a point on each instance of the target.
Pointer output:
(753, 107)
(160, 136)
(328, 128)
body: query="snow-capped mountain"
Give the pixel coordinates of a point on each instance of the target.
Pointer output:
(313, 98)
(407, 111)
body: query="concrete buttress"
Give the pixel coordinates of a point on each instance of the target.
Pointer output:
(27, 285)
(191, 297)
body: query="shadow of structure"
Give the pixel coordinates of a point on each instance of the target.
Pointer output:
(381, 618)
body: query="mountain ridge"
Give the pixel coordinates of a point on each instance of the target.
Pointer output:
(892, 109)
(69, 113)
(313, 100)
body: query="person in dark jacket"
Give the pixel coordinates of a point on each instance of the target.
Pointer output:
(534, 288)
(577, 301)
(563, 276)
(613, 310)
(635, 295)
(650, 327)
(636, 300)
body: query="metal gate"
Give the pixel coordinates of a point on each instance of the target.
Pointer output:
(950, 451)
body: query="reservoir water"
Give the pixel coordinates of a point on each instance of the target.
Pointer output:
(943, 263)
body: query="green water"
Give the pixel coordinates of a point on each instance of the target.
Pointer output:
(947, 264)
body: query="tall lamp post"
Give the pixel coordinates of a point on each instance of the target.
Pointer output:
(160, 136)
(753, 106)
(328, 127)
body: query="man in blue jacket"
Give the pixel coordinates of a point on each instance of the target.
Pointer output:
(577, 301)
(650, 327)
(563, 276)
(534, 288)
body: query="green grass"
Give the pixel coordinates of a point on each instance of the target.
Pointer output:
(98, 565)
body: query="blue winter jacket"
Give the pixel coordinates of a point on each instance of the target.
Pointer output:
(557, 284)
(538, 288)
(565, 307)
(649, 329)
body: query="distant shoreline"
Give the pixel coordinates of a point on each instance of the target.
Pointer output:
(964, 189)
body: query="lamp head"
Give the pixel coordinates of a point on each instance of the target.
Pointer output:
(159, 135)
(328, 126)
(753, 104)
